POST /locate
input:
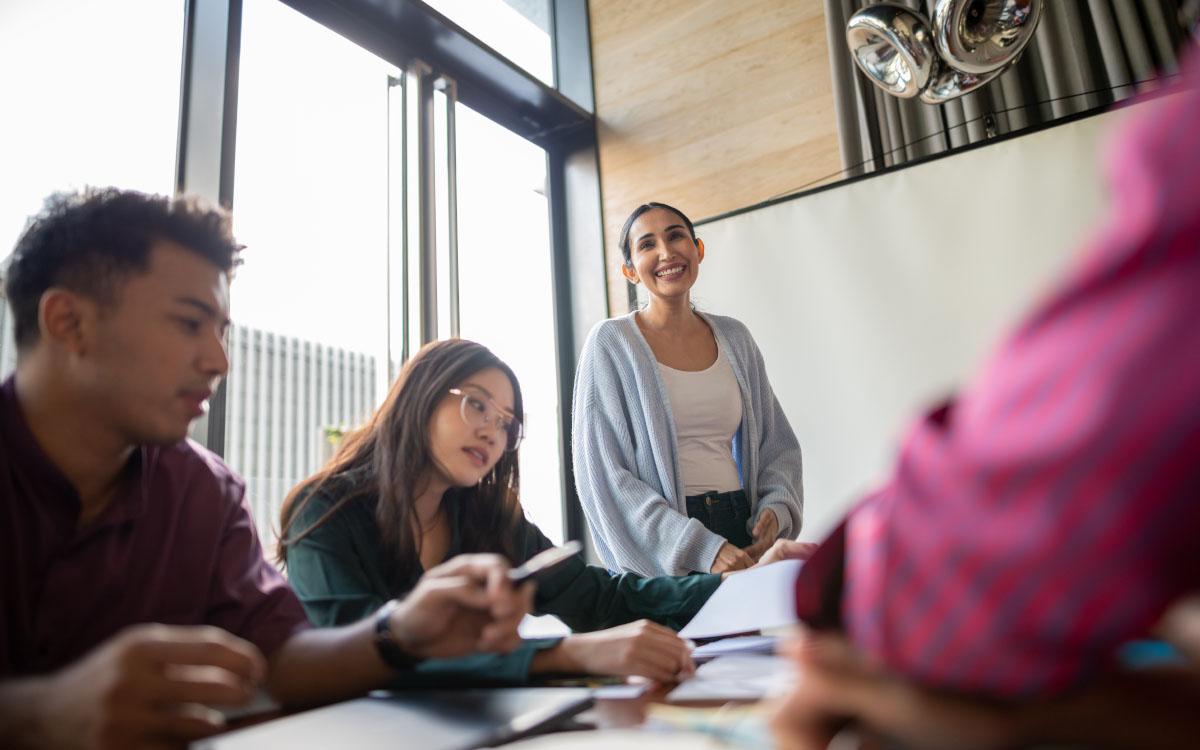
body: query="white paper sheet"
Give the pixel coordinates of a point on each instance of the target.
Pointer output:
(736, 677)
(756, 599)
(543, 626)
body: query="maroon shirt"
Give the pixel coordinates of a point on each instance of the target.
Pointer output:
(176, 545)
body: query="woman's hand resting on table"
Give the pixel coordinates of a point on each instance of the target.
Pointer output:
(640, 648)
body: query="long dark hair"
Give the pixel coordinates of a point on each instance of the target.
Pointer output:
(393, 448)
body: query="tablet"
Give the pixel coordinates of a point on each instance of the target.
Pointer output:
(429, 719)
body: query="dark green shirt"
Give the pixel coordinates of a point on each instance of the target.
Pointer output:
(339, 573)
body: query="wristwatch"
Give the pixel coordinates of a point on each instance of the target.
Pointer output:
(390, 650)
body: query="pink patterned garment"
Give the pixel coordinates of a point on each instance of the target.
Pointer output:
(1052, 511)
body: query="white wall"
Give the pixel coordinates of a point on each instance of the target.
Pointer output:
(872, 300)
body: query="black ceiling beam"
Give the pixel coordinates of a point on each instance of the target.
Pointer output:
(401, 31)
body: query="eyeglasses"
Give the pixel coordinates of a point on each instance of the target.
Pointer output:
(478, 409)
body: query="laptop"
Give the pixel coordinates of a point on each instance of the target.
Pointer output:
(429, 719)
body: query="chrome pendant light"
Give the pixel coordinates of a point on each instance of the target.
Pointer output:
(951, 83)
(891, 44)
(967, 44)
(982, 36)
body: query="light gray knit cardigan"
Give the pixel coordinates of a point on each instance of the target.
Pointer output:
(626, 455)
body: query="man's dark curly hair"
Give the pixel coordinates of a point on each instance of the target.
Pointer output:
(91, 241)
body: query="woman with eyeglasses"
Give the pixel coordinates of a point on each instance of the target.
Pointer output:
(434, 474)
(684, 459)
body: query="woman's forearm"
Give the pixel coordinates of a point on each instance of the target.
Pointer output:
(558, 659)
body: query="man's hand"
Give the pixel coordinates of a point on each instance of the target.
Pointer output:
(1180, 626)
(764, 533)
(462, 606)
(149, 686)
(730, 558)
(835, 684)
(642, 648)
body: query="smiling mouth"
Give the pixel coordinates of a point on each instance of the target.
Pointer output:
(670, 273)
(476, 456)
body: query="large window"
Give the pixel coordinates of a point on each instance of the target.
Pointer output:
(505, 290)
(326, 198)
(90, 93)
(309, 351)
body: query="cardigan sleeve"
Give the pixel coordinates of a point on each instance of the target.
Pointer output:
(779, 481)
(633, 525)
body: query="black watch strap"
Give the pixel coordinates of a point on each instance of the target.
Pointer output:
(386, 644)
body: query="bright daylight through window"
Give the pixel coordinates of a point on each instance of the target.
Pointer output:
(91, 97)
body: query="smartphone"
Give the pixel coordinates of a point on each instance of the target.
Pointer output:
(543, 562)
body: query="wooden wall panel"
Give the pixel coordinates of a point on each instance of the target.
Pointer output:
(709, 105)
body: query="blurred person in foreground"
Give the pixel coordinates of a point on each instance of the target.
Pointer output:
(134, 597)
(1045, 519)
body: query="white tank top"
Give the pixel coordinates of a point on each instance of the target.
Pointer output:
(707, 406)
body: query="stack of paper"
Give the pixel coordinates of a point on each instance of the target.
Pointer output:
(736, 677)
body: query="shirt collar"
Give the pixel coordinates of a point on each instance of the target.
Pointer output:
(51, 486)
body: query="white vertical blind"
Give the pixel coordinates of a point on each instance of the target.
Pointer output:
(288, 393)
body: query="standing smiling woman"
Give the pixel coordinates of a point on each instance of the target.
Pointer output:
(684, 460)
(434, 474)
